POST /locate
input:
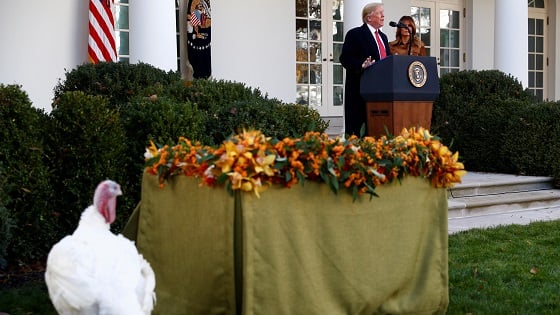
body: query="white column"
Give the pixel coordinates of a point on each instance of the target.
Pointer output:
(152, 33)
(510, 39)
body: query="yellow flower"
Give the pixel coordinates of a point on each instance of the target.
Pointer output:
(151, 151)
(264, 164)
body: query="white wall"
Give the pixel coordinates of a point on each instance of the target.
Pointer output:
(44, 39)
(253, 42)
(480, 40)
(150, 20)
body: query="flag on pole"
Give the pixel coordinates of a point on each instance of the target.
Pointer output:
(101, 41)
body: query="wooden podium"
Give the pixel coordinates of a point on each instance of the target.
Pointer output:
(399, 92)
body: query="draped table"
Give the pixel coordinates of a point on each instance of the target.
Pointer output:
(299, 250)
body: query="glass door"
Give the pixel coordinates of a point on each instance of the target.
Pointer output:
(538, 60)
(450, 40)
(319, 37)
(440, 25)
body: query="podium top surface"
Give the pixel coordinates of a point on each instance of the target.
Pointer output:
(401, 78)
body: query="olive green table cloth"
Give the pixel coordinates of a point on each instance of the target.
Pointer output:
(299, 250)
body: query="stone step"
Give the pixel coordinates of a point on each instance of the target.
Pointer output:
(480, 184)
(483, 194)
(502, 202)
(521, 217)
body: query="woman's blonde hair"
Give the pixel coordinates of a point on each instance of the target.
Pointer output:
(404, 19)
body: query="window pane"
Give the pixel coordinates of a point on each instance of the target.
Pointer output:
(122, 16)
(426, 17)
(338, 32)
(539, 79)
(539, 62)
(531, 27)
(443, 19)
(315, 74)
(531, 40)
(454, 20)
(454, 39)
(302, 93)
(444, 58)
(301, 51)
(531, 62)
(425, 36)
(444, 38)
(454, 62)
(122, 38)
(315, 30)
(539, 44)
(302, 73)
(337, 74)
(301, 29)
(315, 9)
(532, 79)
(337, 49)
(338, 95)
(539, 27)
(315, 95)
(540, 94)
(539, 4)
(301, 8)
(315, 52)
(337, 10)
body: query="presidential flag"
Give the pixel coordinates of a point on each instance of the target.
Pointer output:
(101, 41)
(199, 15)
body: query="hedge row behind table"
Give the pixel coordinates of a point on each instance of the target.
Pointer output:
(299, 250)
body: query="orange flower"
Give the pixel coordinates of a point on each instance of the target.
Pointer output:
(250, 162)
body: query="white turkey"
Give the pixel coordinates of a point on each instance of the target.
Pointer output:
(94, 271)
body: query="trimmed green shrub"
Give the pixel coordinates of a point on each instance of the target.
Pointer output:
(297, 119)
(212, 94)
(531, 140)
(162, 120)
(471, 115)
(86, 145)
(117, 81)
(6, 220)
(231, 107)
(103, 118)
(26, 215)
(272, 117)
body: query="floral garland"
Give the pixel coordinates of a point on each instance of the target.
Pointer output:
(251, 162)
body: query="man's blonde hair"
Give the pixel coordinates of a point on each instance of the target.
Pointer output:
(368, 8)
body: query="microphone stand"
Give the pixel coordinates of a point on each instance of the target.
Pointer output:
(410, 40)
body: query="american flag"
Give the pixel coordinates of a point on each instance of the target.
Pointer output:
(101, 41)
(195, 19)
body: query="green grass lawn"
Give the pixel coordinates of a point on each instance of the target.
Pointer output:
(29, 299)
(506, 270)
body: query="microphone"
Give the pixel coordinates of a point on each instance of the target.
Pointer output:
(399, 25)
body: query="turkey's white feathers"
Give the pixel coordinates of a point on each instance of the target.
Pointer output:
(94, 271)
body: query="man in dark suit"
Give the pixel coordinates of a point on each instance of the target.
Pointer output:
(363, 45)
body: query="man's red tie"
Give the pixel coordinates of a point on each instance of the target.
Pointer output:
(382, 52)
